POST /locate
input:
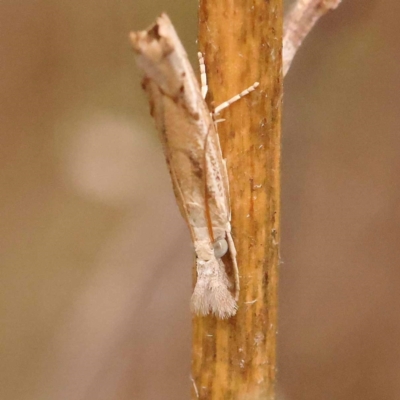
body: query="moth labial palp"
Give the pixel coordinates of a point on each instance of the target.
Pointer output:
(193, 154)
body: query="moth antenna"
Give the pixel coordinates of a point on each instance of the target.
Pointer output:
(232, 251)
(206, 205)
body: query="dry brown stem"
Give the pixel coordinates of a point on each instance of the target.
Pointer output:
(298, 23)
(234, 359)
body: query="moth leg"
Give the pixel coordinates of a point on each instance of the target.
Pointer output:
(232, 251)
(227, 103)
(203, 75)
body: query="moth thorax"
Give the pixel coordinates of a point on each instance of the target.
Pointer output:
(220, 247)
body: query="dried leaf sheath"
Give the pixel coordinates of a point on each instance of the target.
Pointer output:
(194, 158)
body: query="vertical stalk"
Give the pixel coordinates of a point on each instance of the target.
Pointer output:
(241, 40)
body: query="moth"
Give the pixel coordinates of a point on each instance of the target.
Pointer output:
(193, 154)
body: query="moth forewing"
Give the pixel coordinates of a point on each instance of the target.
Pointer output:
(194, 158)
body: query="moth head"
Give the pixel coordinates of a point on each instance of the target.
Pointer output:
(220, 248)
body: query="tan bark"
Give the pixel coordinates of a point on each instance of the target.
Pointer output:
(242, 43)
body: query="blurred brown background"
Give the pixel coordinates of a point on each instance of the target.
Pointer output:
(95, 258)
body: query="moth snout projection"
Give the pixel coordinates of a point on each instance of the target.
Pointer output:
(193, 154)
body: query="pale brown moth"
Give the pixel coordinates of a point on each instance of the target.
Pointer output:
(193, 153)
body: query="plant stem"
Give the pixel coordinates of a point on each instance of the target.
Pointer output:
(235, 359)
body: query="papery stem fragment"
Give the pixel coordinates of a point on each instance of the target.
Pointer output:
(298, 22)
